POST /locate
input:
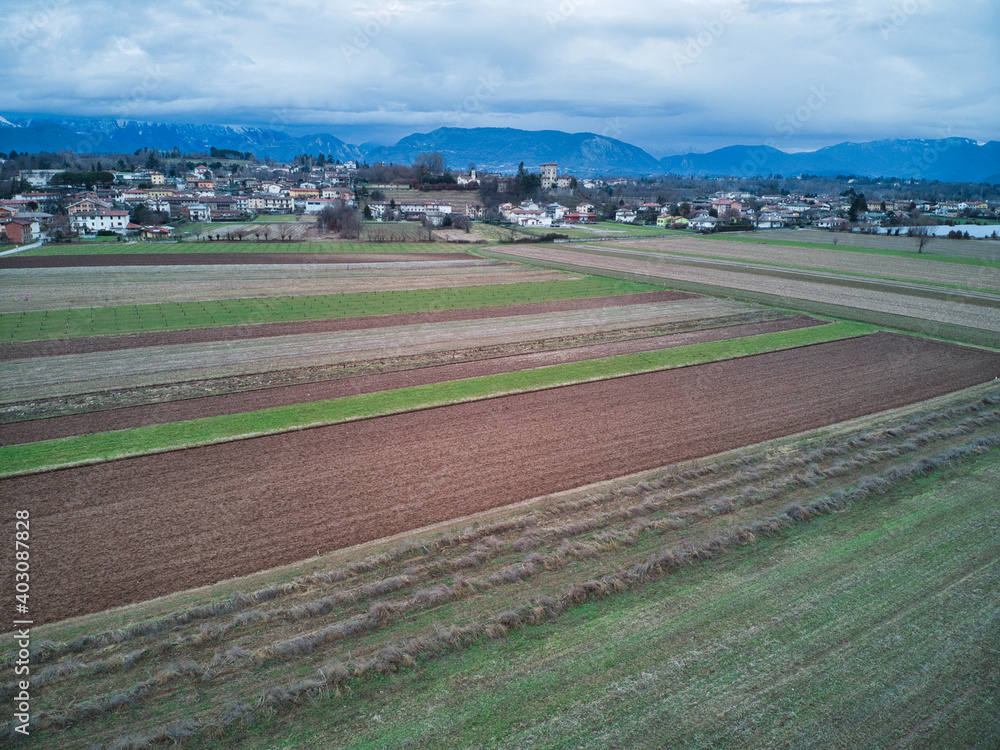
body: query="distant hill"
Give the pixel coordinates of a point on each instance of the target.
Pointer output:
(947, 159)
(103, 135)
(503, 149)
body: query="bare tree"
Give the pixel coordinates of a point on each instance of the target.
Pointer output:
(342, 219)
(923, 235)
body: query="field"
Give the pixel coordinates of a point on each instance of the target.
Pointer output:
(673, 491)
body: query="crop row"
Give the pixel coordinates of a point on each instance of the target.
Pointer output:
(94, 321)
(551, 539)
(107, 446)
(722, 486)
(431, 638)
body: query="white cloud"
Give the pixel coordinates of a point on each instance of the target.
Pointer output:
(671, 76)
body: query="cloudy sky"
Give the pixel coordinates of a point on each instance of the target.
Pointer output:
(671, 76)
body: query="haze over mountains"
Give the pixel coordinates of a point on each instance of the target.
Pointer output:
(503, 149)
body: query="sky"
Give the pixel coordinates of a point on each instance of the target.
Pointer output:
(672, 77)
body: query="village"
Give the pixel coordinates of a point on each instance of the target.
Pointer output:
(152, 203)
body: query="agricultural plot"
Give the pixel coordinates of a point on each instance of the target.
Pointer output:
(619, 582)
(455, 501)
(116, 410)
(845, 297)
(282, 498)
(244, 247)
(97, 321)
(930, 269)
(262, 229)
(24, 290)
(978, 250)
(49, 376)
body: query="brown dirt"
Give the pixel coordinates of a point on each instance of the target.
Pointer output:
(134, 529)
(213, 259)
(87, 344)
(231, 403)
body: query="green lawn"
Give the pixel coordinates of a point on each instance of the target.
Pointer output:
(96, 321)
(107, 446)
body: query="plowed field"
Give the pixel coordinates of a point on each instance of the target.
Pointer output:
(231, 403)
(130, 530)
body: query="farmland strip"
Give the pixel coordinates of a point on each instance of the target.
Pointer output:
(86, 344)
(89, 449)
(385, 376)
(54, 324)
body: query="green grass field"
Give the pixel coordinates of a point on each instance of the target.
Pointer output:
(108, 446)
(246, 246)
(881, 277)
(736, 237)
(834, 589)
(68, 323)
(874, 626)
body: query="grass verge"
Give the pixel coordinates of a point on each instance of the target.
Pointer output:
(108, 446)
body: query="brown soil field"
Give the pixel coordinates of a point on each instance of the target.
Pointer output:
(130, 530)
(917, 269)
(212, 259)
(922, 308)
(193, 408)
(83, 345)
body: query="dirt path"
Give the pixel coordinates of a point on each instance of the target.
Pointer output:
(131, 530)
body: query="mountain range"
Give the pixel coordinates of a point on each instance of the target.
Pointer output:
(504, 149)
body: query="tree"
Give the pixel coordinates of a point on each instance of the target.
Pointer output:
(429, 163)
(342, 219)
(858, 206)
(922, 234)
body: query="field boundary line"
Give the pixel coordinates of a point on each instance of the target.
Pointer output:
(80, 450)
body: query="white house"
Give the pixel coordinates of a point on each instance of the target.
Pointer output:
(111, 220)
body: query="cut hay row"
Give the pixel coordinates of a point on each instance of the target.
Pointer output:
(597, 563)
(701, 491)
(97, 448)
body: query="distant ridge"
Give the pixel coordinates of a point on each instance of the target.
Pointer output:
(946, 159)
(503, 149)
